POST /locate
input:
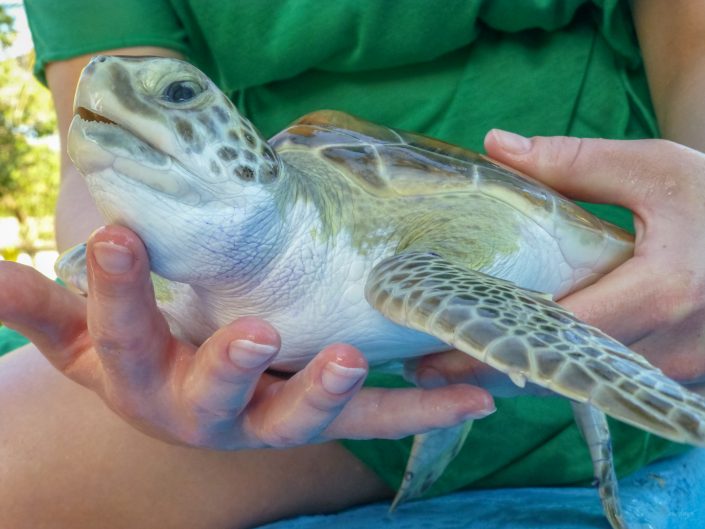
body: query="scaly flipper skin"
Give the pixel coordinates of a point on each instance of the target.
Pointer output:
(524, 334)
(593, 425)
(527, 336)
(430, 454)
(287, 230)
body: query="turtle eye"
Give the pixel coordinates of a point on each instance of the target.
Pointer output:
(181, 91)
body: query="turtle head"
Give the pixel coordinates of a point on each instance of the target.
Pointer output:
(165, 153)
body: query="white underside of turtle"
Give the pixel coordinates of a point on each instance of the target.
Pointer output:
(339, 230)
(289, 297)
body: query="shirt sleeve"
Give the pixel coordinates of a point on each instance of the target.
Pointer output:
(68, 28)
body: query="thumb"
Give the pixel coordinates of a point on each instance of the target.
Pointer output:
(631, 173)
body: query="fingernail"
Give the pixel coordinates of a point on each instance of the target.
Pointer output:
(483, 412)
(429, 378)
(480, 414)
(339, 379)
(113, 258)
(248, 354)
(511, 142)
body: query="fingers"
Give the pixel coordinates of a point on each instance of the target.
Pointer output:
(299, 410)
(129, 333)
(457, 367)
(324, 401)
(227, 368)
(450, 367)
(43, 311)
(321, 402)
(625, 291)
(661, 182)
(654, 300)
(648, 306)
(629, 173)
(392, 414)
(639, 300)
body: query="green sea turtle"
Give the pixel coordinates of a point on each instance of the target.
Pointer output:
(399, 244)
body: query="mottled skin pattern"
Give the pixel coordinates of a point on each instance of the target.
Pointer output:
(529, 337)
(394, 242)
(243, 154)
(532, 338)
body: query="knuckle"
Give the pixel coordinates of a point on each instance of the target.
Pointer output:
(322, 402)
(280, 434)
(227, 378)
(562, 153)
(203, 411)
(73, 362)
(572, 153)
(668, 148)
(206, 404)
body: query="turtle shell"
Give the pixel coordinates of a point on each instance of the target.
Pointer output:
(390, 162)
(382, 157)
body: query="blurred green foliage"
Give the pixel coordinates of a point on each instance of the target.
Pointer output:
(7, 32)
(29, 166)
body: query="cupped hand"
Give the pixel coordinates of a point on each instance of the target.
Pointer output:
(218, 395)
(655, 301)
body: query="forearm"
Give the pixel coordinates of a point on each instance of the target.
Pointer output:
(76, 214)
(672, 38)
(681, 110)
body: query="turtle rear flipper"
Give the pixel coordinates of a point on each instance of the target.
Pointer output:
(592, 423)
(430, 455)
(530, 338)
(433, 451)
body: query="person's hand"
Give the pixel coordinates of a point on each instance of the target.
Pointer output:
(654, 302)
(218, 395)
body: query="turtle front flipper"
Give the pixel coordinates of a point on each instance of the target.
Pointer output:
(592, 423)
(70, 267)
(430, 454)
(529, 337)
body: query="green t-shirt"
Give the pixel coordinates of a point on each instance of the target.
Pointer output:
(452, 69)
(448, 68)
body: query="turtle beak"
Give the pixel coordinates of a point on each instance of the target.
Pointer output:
(89, 115)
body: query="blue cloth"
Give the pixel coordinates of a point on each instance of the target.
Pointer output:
(669, 494)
